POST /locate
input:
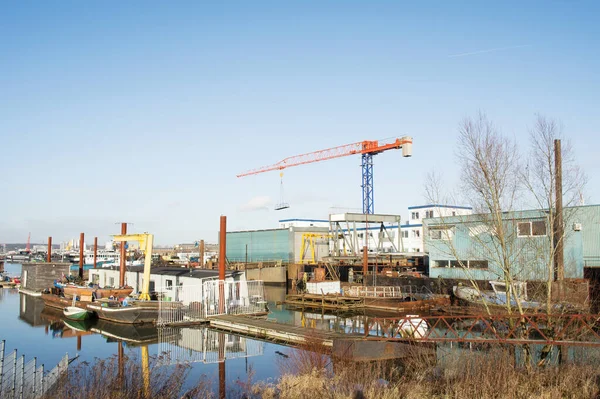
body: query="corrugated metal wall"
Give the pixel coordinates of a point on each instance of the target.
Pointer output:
(529, 255)
(589, 218)
(263, 245)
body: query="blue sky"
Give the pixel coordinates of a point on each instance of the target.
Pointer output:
(145, 112)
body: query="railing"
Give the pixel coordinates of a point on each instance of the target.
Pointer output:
(562, 329)
(386, 292)
(193, 303)
(26, 380)
(201, 345)
(374, 292)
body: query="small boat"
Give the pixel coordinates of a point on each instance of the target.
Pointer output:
(74, 313)
(497, 297)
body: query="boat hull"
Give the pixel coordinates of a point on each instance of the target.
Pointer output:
(59, 303)
(75, 313)
(136, 314)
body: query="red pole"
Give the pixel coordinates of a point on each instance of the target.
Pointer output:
(222, 255)
(222, 247)
(222, 384)
(123, 257)
(49, 257)
(81, 256)
(365, 263)
(95, 251)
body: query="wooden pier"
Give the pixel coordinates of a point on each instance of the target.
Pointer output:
(272, 331)
(344, 303)
(328, 302)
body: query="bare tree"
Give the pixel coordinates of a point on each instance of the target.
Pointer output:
(539, 177)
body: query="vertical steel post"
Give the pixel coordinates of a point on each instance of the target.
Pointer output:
(14, 379)
(365, 263)
(22, 381)
(201, 254)
(222, 264)
(222, 383)
(95, 252)
(123, 257)
(49, 256)
(81, 255)
(2, 363)
(559, 265)
(367, 184)
(34, 376)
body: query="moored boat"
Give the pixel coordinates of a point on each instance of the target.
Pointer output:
(128, 312)
(75, 313)
(76, 290)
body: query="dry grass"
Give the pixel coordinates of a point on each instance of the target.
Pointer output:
(309, 372)
(484, 375)
(102, 380)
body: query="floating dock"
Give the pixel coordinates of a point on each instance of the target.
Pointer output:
(271, 331)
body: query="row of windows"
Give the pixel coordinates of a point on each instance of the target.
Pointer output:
(524, 229)
(469, 264)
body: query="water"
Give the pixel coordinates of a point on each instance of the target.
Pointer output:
(37, 332)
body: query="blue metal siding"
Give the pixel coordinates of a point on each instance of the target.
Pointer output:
(263, 245)
(530, 254)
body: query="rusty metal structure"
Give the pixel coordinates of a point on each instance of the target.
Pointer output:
(516, 329)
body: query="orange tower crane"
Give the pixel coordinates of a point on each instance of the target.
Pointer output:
(367, 149)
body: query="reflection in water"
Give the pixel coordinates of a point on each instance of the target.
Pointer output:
(203, 345)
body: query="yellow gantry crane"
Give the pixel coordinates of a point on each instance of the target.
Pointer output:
(308, 243)
(146, 241)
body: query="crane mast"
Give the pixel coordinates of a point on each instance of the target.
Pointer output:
(366, 148)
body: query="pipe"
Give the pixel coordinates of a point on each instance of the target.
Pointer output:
(222, 247)
(95, 251)
(365, 263)
(222, 382)
(201, 254)
(559, 236)
(222, 252)
(49, 257)
(81, 255)
(123, 257)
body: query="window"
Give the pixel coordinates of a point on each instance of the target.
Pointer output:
(453, 213)
(538, 228)
(415, 215)
(428, 214)
(152, 286)
(169, 284)
(111, 282)
(416, 233)
(405, 234)
(478, 264)
(440, 263)
(528, 229)
(440, 233)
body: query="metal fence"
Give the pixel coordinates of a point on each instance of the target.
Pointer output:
(199, 301)
(386, 292)
(26, 380)
(201, 345)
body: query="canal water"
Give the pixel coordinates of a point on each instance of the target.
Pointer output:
(37, 332)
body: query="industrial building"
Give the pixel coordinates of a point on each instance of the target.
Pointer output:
(281, 245)
(453, 238)
(294, 240)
